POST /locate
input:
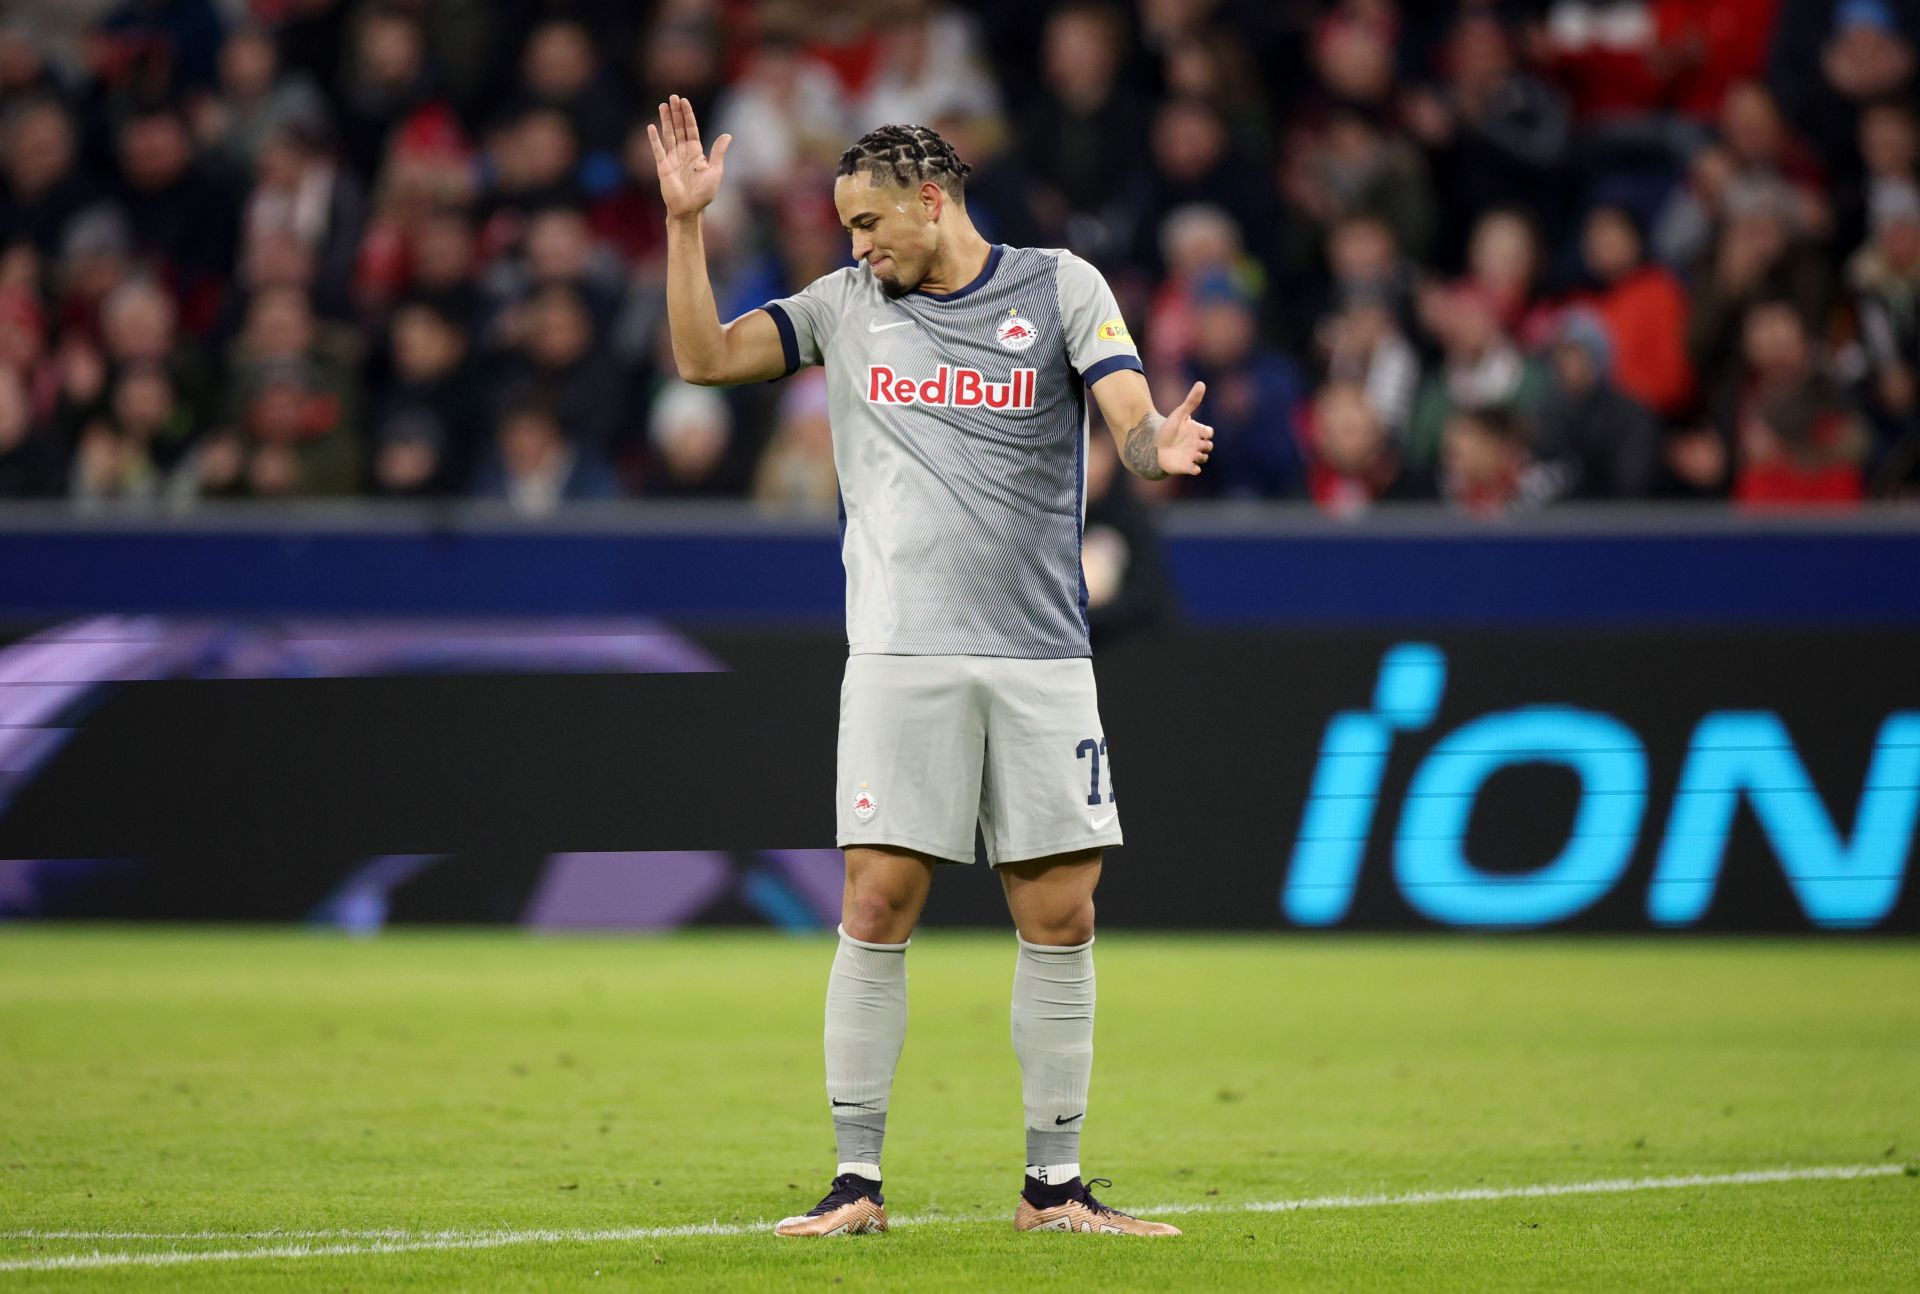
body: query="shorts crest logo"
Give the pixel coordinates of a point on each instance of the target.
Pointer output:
(864, 805)
(1016, 332)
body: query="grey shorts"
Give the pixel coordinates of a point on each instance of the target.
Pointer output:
(931, 744)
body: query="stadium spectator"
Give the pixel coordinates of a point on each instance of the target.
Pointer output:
(1497, 135)
(1484, 462)
(558, 362)
(1197, 242)
(1761, 253)
(96, 256)
(1349, 166)
(138, 326)
(157, 47)
(557, 249)
(1362, 343)
(1194, 160)
(46, 186)
(1128, 589)
(1503, 269)
(1832, 56)
(691, 436)
(182, 219)
(253, 99)
(1794, 440)
(997, 189)
(1591, 439)
(1253, 391)
(534, 467)
(1365, 259)
(1763, 144)
(1643, 308)
(1352, 54)
(928, 66)
(1888, 151)
(561, 70)
(29, 457)
(1693, 211)
(294, 381)
(532, 162)
(796, 474)
(680, 55)
(300, 193)
(1482, 369)
(1218, 64)
(385, 85)
(1081, 133)
(1354, 462)
(425, 427)
(129, 450)
(787, 117)
(23, 349)
(1885, 278)
(628, 217)
(25, 71)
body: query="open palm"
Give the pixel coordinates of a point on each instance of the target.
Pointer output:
(688, 177)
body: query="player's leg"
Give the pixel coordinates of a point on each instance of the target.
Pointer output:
(1048, 811)
(1053, 997)
(865, 1029)
(909, 745)
(867, 998)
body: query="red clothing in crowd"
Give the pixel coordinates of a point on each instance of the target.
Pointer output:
(1645, 315)
(1783, 483)
(1818, 472)
(1627, 60)
(1733, 37)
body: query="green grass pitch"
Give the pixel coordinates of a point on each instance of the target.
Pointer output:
(219, 1110)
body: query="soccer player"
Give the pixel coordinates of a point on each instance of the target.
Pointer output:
(957, 377)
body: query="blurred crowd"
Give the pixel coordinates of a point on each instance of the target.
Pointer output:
(1494, 254)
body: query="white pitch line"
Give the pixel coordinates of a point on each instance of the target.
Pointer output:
(396, 1242)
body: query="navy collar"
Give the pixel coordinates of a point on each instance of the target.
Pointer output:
(979, 280)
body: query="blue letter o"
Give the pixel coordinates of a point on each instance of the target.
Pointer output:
(1430, 857)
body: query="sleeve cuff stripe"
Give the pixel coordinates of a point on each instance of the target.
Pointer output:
(789, 342)
(1111, 364)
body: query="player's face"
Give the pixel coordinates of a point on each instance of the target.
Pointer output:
(894, 229)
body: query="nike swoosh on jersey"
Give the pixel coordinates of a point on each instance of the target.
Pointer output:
(1097, 823)
(874, 327)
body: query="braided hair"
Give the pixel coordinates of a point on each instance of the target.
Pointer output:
(909, 155)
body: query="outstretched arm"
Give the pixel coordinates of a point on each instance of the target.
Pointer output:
(705, 351)
(1153, 446)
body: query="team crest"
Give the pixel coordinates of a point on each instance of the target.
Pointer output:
(1016, 332)
(864, 805)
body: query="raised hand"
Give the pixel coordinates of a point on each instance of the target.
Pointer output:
(689, 179)
(1183, 443)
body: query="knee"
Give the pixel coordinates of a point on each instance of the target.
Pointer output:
(1061, 929)
(877, 914)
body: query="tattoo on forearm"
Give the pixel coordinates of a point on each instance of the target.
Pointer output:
(1143, 448)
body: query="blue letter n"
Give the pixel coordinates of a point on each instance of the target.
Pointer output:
(1838, 882)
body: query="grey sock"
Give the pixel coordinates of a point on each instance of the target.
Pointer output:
(1053, 1037)
(866, 1026)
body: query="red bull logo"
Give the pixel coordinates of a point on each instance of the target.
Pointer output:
(959, 388)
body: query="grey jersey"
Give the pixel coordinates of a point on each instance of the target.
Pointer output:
(960, 437)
